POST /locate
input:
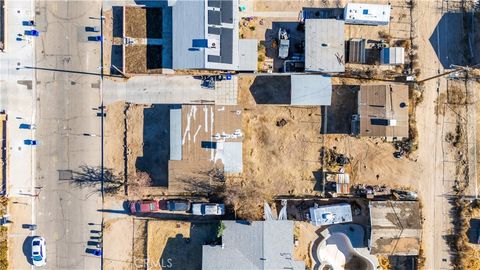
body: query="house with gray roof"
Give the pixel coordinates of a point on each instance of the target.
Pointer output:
(253, 245)
(205, 35)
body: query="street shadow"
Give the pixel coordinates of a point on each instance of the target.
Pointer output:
(323, 13)
(117, 15)
(473, 232)
(27, 249)
(156, 143)
(180, 250)
(113, 211)
(116, 59)
(271, 90)
(337, 117)
(449, 40)
(296, 33)
(154, 22)
(154, 57)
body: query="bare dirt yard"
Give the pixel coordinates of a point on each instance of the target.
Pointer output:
(178, 245)
(282, 146)
(136, 22)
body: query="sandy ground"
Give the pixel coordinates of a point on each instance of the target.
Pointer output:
(306, 234)
(135, 22)
(285, 5)
(118, 243)
(177, 245)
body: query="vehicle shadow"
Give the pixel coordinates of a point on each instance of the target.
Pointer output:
(27, 249)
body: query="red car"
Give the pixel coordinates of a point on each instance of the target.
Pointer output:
(144, 206)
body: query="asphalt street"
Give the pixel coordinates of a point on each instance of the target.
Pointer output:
(64, 106)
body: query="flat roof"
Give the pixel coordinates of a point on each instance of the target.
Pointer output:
(331, 214)
(248, 54)
(379, 103)
(367, 13)
(324, 45)
(311, 90)
(396, 227)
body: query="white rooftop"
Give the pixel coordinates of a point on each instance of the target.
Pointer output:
(331, 214)
(324, 45)
(358, 13)
(311, 90)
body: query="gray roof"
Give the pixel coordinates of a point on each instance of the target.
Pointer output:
(232, 157)
(311, 90)
(324, 45)
(215, 21)
(176, 134)
(250, 246)
(392, 56)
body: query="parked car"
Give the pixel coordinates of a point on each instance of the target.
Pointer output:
(28, 23)
(95, 252)
(175, 205)
(39, 252)
(30, 142)
(203, 209)
(26, 126)
(34, 33)
(144, 206)
(92, 29)
(94, 38)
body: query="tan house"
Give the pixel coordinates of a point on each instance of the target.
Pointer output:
(382, 111)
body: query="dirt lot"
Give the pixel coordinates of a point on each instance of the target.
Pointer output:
(285, 159)
(125, 243)
(143, 59)
(177, 245)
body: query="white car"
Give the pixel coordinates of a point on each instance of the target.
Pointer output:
(202, 209)
(39, 252)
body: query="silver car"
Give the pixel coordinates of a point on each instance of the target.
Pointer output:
(39, 251)
(202, 209)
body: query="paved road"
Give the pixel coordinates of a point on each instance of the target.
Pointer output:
(64, 113)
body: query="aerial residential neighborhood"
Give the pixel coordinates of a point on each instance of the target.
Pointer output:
(239, 134)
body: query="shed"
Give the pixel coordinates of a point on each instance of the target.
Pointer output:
(311, 90)
(369, 14)
(331, 214)
(324, 45)
(356, 51)
(396, 227)
(392, 56)
(176, 134)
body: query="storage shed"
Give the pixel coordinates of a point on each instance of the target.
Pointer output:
(370, 14)
(392, 56)
(356, 51)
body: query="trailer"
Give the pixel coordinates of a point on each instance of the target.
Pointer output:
(368, 14)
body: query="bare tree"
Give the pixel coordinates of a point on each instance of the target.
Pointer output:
(89, 176)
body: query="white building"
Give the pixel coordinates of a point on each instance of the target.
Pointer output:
(331, 214)
(392, 56)
(371, 14)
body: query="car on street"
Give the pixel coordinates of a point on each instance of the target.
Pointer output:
(95, 252)
(204, 209)
(175, 205)
(26, 126)
(94, 38)
(144, 206)
(92, 29)
(29, 142)
(39, 251)
(34, 33)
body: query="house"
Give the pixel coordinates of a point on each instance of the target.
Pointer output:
(324, 45)
(206, 36)
(311, 90)
(330, 214)
(369, 14)
(392, 56)
(265, 245)
(396, 228)
(382, 111)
